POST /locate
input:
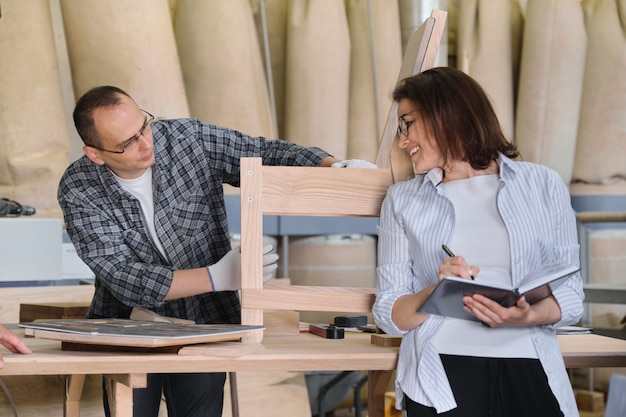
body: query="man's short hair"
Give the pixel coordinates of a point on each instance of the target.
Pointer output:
(103, 96)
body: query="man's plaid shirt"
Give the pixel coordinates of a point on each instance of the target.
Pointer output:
(108, 229)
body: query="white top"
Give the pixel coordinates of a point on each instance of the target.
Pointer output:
(141, 189)
(478, 225)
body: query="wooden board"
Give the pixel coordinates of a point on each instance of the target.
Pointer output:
(12, 297)
(301, 191)
(65, 310)
(420, 55)
(137, 333)
(223, 349)
(385, 340)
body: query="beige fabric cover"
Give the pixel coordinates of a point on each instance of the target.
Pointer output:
(276, 20)
(318, 75)
(375, 62)
(127, 44)
(222, 65)
(550, 85)
(488, 50)
(172, 4)
(601, 146)
(34, 139)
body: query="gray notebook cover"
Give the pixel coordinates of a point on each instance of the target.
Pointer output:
(447, 297)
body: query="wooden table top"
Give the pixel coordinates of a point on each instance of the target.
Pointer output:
(303, 352)
(592, 350)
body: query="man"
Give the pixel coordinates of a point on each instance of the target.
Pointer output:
(145, 209)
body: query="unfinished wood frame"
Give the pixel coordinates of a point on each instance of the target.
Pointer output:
(420, 55)
(301, 191)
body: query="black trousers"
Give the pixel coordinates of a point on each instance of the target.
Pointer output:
(186, 395)
(493, 387)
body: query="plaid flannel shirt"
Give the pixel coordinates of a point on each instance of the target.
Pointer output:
(108, 228)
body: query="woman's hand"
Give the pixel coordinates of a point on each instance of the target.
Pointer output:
(456, 266)
(521, 314)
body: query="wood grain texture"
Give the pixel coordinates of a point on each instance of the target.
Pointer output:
(420, 55)
(12, 297)
(68, 310)
(301, 191)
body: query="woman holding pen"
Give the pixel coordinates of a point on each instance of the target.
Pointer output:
(498, 219)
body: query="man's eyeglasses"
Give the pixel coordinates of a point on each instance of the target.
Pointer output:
(129, 144)
(403, 126)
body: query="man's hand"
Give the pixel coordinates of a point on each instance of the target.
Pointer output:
(226, 273)
(353, 163)
(270, 262)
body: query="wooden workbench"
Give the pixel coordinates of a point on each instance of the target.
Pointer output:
(303, 352)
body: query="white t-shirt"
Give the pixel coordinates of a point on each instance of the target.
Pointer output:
(141, 189)
(478, 225)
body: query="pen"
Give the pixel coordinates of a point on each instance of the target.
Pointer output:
(452, 255)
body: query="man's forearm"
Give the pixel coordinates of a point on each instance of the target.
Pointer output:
(188, 282)
(328, 161)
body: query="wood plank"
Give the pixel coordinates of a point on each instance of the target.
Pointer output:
(312, 298)
(73, 392)
(294, 353)
(386, 340)
(281, 323)
(251, 241)
(592, 350)
(221, 349)
(120, 398)
(377, 383)
(66, 310)
(420, 54)
(12, 297)
(134, 380)
(299, 191)
(579, 350)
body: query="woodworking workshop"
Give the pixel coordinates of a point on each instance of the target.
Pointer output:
(312, 208)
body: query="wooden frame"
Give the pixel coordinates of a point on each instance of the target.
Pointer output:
(300, 191)
(420, 55)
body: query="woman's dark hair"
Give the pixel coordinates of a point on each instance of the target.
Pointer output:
(459, 115)
(104, 96)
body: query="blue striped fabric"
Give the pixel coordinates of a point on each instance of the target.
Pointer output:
(416, 218)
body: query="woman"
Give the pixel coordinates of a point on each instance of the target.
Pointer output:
(506, 218)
